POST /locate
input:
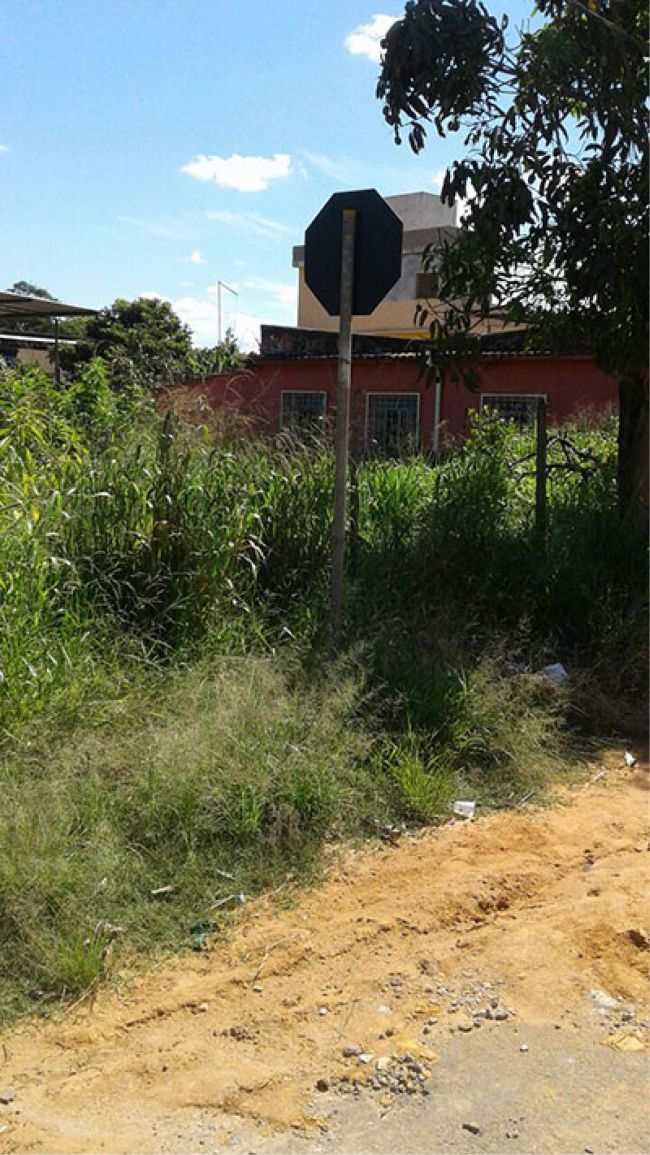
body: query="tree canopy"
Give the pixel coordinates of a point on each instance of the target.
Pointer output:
(554, 174)
(144, 343)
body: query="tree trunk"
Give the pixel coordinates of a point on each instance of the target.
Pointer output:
(633, 448)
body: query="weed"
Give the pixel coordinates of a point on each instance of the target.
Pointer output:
(168, 711)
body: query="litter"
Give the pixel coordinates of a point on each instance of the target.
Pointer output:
(162, 891)
(630, 760)
(555, 673)
(199, 932)
(236, 899)
(464, 809)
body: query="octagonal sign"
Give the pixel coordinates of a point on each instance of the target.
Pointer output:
(377, 251)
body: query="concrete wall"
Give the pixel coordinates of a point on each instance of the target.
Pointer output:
(252, 397)
(425, 219)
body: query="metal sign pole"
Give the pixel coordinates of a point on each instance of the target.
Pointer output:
(342, 433)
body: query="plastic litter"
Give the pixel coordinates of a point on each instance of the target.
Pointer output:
(464, 808)
(199, 932)
(630, 760)
(555, 673)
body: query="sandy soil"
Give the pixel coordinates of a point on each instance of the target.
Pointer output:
(546, 913)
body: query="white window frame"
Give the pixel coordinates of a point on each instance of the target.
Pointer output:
(400, 396)
(486, 397)
(310, 392)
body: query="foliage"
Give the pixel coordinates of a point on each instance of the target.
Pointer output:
(36, 326)
(554, 178)
(168, 705)
(209, 361)
(143, 342)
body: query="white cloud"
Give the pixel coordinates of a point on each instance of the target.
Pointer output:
(245, 173)
(365, 40)
(251, 222)
(247, 331)
(437, 178)
(284, 294)
(200, 311)
(4, 148)
(196, 257)
(202, 316)
(335, 169)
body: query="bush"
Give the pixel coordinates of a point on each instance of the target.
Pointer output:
(169, 707)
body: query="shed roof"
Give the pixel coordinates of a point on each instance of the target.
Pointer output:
(20, 305)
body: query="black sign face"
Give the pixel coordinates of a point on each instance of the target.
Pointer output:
(377, 251)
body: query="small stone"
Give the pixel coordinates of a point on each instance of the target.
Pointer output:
(512, 1134)
(202, 1008)
(426, 1030)
(7, 1097)
(383, 1009)
(322, 1085)
(432, 1021)
(523, 1048)
(408, 1057)
(464, 1023)
(589, 1151)
(500, 1016)
(258, 988)
(323, 1011)
(365, 1057)
(351, 1051)
(383, 1063)
(472, 1128)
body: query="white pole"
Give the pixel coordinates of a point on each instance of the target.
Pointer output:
(437, 407)
(222, 285)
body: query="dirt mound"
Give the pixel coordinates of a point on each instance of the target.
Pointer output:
(543, 914)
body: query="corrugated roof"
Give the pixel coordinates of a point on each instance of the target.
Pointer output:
(20, 305)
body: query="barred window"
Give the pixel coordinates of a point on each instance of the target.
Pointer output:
(392, 423)
(518, 408)
(302, 411)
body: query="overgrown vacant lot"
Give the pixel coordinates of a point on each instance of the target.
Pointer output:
(169, 713)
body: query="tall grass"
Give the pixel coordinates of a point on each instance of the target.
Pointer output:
(169, 712)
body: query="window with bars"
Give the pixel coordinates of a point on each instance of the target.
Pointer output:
(302, 411)
(518, 408)
(392, 423)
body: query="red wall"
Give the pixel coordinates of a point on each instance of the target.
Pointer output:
(570, 384)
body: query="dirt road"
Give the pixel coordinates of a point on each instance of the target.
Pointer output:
(482, 979)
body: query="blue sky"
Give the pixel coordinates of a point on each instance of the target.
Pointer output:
(159, 146)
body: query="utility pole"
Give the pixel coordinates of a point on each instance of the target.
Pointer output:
(222, 285)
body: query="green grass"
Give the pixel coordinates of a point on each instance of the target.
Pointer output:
(222, 779)
(170, 713)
